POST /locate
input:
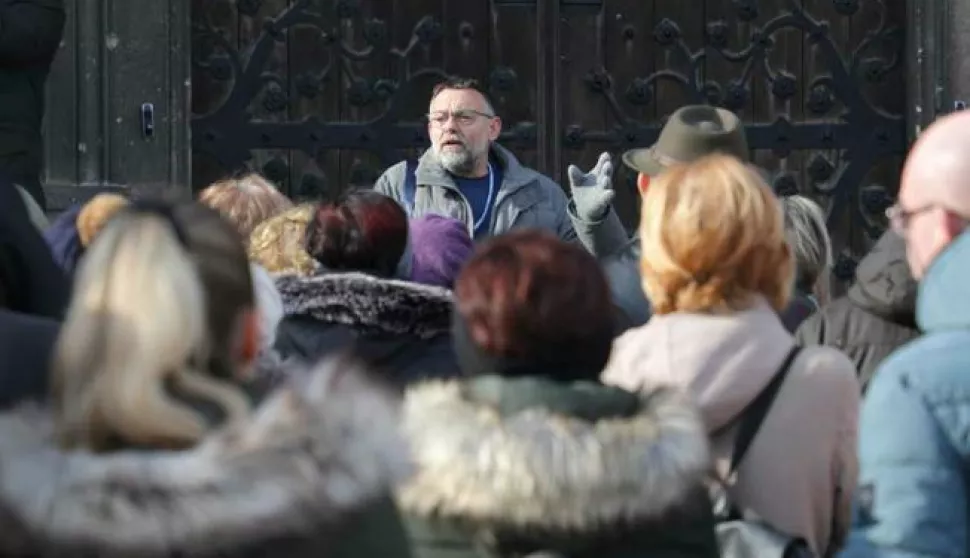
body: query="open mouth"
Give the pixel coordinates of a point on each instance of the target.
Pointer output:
(453, 143)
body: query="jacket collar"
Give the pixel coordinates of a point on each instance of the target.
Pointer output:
(545, 467)
(883, 283)
(740, 354)
(368, 304)
(942, 303)
(315, 450)
(514, 174)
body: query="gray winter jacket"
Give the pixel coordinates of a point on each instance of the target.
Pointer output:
(526, 199)
(619, 255)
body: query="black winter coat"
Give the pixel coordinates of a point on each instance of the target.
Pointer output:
(30, 281)
(30, 34)
(26, 348)
(401, 329)
(876, 316)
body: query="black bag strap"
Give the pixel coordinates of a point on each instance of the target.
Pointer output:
(754, 414)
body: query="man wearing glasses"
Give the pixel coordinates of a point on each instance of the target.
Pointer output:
(914, 445)
(466, 175)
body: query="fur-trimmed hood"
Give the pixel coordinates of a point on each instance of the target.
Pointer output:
(320, 447)
(536, 468)
(368, 304)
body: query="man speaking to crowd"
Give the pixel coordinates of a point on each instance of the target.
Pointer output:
(466, 175)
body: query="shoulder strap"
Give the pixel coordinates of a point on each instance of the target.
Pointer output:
(754, 414)
(410, 185)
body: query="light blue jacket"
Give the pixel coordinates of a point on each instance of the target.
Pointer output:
(914, 432)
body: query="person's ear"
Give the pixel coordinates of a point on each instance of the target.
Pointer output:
(494, 128)
(953, 225)
(643, 182)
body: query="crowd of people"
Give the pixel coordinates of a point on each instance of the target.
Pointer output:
(465, 361)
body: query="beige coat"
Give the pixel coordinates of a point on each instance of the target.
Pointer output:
(800, 471)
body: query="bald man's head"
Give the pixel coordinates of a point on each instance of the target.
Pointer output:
(934, 192)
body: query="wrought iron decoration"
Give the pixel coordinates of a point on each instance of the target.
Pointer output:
(863, 132)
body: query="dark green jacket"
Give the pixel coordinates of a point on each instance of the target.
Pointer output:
(308, 475)
(512, 467)
(30, 34)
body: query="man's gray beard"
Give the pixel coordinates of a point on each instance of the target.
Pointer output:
(460, 162)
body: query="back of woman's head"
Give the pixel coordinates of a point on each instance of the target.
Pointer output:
(808, 237)
(529, 303)
(441, 245)
(361, 231)
(158, 306)
(278, 244)
(712, 239)
(246, 201)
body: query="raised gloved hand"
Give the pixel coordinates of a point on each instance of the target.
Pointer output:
(592, 192)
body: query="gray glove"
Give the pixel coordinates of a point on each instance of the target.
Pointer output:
(592, 192)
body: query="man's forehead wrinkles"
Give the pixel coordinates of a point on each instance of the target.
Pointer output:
(453, 100)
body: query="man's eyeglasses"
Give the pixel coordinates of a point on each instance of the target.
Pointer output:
(899, 218)
(465, 117)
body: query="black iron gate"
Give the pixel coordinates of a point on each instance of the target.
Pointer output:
(322, 95)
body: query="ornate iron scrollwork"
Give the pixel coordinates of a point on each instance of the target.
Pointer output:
(230, 132)
(861, 133)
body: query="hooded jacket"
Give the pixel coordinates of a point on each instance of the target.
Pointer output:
(876, 316)
(913, 443)
(307, 475)
(800, 470)
(512, 466)
(400, 328)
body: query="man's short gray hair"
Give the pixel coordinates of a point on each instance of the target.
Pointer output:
(464, 83)
(811, 245)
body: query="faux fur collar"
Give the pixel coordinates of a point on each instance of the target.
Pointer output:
(368, 304)
(315, 450)
(537, 469)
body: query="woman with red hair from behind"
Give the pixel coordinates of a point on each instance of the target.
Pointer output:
(361, 298)
(529, 452)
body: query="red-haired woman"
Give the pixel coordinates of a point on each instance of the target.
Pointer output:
(361, 298)
(530, 453)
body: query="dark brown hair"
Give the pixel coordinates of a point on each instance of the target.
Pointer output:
(361, 231)
(526, 295)
(463, 83)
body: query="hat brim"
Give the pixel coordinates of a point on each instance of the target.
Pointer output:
(643, 161)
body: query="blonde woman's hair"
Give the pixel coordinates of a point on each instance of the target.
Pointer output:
(246, 201)
(712, 239)
(95, 214)
(809, 239)
(156, 306)
(278, 244)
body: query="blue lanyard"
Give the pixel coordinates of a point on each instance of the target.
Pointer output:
(488, 201)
